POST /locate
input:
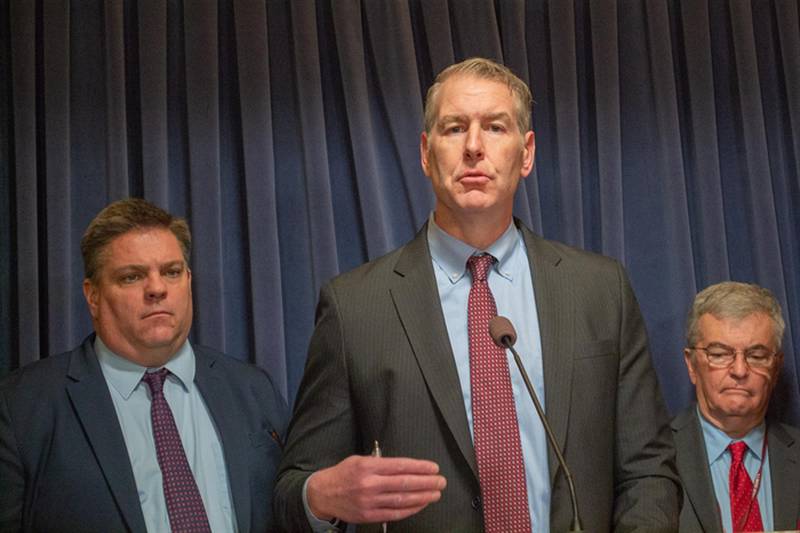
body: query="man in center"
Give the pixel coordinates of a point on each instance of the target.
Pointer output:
(401, 356)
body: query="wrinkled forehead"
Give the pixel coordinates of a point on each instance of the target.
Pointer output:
(756, 326)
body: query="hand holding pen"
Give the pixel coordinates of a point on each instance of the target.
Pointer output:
(376, 452)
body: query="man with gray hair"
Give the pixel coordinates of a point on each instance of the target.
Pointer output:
(740, 472)
(401, 360)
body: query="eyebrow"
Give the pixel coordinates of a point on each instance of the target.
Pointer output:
(502, 115)
(145, 268)
(723, 345)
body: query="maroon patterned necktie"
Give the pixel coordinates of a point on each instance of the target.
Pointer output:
(184, 504)
(501, 469)
(743, 501)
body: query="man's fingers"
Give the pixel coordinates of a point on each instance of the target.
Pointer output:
(409, 483)
(389, 514)
(401, 465)
(406, 500)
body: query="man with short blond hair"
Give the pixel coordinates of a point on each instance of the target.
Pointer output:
(401, 356)
(138, 429)
(740, 472)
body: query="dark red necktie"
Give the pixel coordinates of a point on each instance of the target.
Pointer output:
(184, 504)
(745, 513)
(501, 469)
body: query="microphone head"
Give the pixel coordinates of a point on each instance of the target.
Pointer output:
(502, 332)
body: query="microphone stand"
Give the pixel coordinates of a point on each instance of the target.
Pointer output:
(575, 526)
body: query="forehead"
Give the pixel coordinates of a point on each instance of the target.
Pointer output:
(755, 328)
(142, 246)
(463, 93)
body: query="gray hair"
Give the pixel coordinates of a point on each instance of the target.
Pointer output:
(735, 300)
(488, 70)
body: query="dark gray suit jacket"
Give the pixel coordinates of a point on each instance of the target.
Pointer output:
(700, 511)
(380, 366)
(63, 461)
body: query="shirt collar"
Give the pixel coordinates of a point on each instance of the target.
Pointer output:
(451, 254)
(124, 375)
(717, 441)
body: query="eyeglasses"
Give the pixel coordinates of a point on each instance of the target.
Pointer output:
(722, 356)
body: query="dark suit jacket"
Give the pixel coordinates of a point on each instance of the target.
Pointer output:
(63, 461)
(380, 366)
(700, 511)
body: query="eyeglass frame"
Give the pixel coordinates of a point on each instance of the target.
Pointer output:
(772, 357)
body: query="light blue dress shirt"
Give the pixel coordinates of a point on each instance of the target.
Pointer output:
(512, 286)
(201, 443)
(719, 462)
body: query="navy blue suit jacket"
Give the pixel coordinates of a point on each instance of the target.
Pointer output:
(63, 461)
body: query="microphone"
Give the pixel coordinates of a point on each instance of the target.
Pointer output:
(504, 335)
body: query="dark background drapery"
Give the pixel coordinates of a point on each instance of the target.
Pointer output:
(668, 136)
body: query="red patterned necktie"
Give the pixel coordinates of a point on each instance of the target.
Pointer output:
(501, 469)
(184, 504)
(741, 489)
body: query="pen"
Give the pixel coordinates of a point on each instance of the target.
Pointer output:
(376, 452)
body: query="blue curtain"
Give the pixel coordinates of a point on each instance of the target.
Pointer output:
(668, 136)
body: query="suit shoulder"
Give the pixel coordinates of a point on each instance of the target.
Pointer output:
(234, 368)
(570, 254)
(375, 271)
(37, 375)
(793, 431)
(683, 418)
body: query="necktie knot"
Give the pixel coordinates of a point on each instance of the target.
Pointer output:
(479, 266)
(155, 380)
(737, 451)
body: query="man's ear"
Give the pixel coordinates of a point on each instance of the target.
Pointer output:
(423, 153)
(687, 358)
(529, 151)
(778, 364)
(92, 295)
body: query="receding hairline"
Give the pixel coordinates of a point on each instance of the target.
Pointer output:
(481, 69)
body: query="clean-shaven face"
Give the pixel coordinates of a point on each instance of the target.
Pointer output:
(141, 302)
(475, 154)
(735, 397)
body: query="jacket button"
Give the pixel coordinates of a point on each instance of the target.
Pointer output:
(476, 502)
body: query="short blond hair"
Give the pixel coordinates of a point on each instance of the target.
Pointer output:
(485, 69)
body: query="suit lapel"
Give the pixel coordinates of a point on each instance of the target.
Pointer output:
(693, 470)
(555, 323)
(785, 473)
(93, 406)
(217, 396)
(416, 299)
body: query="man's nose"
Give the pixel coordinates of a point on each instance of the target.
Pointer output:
(739, 367)
(474, 143)
(155, 289)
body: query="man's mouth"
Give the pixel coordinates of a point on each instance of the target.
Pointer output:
(473, 178)
(737, 390)
(156, 314)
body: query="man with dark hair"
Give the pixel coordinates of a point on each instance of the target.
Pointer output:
(401, 360)
(740, 472)
(137, 429)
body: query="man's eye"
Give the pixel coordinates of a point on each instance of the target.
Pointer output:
(758, 355)
(720, 353)
(174, 273)
(496, 128)
(454, 129)
(130, 278)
